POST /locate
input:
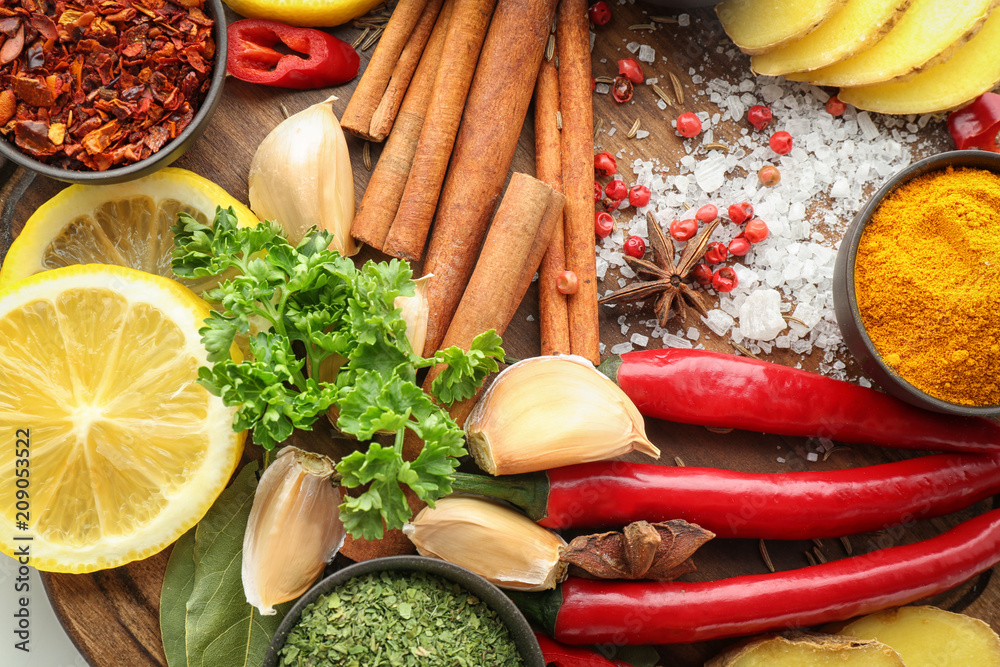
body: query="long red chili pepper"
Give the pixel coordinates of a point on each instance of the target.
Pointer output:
(781, 506)
(259, 53)
(560, 655)
(584, 611)
(723, 390)
(977, 125)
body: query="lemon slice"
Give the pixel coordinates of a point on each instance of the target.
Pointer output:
(99, 403)
(126, 224)
(307, 13)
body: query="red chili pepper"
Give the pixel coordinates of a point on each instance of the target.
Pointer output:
(560, 655)
(324, 60)
(775, 506)
(688, 386)
(584, 611)
(977, 125)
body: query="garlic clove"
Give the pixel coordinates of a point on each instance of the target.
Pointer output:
(547, 412)
(416, 312)
(294, 528)
(301, 177)
(519, 554)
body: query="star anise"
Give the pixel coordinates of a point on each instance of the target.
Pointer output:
(668, 277)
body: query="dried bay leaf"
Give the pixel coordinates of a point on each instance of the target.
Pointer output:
(178, 582)
(221, 627)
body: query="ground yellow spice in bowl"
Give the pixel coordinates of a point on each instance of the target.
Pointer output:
(917, 284)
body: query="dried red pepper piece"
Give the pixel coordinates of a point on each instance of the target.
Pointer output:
(253, 57)
(95, 84)
(977, 125)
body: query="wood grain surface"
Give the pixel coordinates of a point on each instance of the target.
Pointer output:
(112, 615)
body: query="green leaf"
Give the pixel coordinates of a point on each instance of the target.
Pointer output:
(465, 371)
(222, 628)
(178, 582)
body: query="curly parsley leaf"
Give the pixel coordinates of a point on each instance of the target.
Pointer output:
(279, 298)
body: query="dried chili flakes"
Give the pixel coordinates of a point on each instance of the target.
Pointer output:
(94, 84)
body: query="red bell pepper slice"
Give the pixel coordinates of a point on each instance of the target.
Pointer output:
(561, 655)
(276, 54)
(977, 125)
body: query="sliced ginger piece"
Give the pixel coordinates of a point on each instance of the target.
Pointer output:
(802, 649)
(929, 32)
(855, 27)
(973, 70)
(931, 637)
(758, 26)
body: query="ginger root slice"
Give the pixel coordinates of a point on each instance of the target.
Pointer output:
(808, 649)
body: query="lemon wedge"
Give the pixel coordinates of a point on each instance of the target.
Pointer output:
(99, 403)
(307, 13)
(126, 224)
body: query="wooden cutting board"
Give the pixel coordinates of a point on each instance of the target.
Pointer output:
(113, 615)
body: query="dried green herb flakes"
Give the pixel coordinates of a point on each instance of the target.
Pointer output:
(398, 620)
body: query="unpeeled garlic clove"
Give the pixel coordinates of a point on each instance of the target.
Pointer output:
(301, 177)
(416, 311)
(547, 412)
(497, 543)
(294, 528)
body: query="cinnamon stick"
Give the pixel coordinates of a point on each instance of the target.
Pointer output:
(385, 188)
(466, 32)
(495, 111)
(553, 307)
(573, 47)
(409, 59)
(357, 118)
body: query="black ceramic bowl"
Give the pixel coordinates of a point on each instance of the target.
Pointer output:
(168, 152)
(494, 598)
(845, 298)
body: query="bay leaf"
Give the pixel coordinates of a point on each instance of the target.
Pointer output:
(178, 582)
(222, 628)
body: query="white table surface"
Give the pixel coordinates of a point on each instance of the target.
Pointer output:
(49, 644)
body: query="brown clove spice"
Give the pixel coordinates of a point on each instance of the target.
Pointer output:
(658, 551)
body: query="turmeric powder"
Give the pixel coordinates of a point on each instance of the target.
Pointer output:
(927, 278)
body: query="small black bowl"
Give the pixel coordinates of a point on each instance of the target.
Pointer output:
(845, 298)
(520, 631)
(169, 151)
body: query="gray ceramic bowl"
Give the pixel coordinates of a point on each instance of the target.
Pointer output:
(518, 626)
(844, 296)
(168, 152)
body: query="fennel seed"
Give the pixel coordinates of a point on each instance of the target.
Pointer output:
(745, 352)
(819, 554)
(598, 127)
(680, 462)
(678, 88)
(848, 547)
(790, 318)
(550, 48)
(371, 40)
(366, 155)
(818, 542)
(642, 26)
(719, 429)
(663, 19)
(559, 120)
(632, 131)
(766, 556)
(811, 558)
(716, 146)
(662, 95)
(360, 38)
(284, 109)
(603, 79)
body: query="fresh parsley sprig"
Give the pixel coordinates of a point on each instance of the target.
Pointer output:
(283, 297)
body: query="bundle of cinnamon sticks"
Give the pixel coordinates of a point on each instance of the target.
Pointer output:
(449, 87)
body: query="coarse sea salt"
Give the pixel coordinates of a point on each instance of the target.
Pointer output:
(836, 164)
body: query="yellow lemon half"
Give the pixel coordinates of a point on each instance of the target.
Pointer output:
(111, 449)
(125, 224)
(308, 13)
